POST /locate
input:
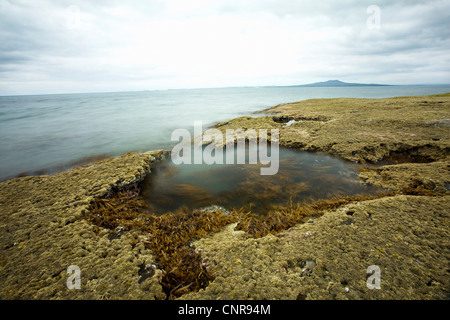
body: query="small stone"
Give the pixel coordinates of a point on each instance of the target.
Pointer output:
(309, 266)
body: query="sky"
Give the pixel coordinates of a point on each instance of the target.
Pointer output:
(49, 46)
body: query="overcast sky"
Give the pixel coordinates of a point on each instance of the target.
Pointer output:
(50, 46)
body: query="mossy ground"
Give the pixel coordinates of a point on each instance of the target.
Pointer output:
(363, 130)
(91, 216)
(43, 232)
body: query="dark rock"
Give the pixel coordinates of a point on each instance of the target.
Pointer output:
(146, 271)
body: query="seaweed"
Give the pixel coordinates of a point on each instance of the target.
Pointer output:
(168, 236)
(281, 218)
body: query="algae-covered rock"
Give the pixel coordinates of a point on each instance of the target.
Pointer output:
(362, 130)
(42, 234)
(434, 177)
(405, 236)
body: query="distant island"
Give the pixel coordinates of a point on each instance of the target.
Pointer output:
(337, 83)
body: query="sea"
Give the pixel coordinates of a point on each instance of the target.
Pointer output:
(44, 134)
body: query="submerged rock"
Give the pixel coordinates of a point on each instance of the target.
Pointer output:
(216, 208)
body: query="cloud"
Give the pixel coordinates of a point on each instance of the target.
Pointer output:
(58, 46)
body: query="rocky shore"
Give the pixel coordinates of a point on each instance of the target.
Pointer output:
(46, 221)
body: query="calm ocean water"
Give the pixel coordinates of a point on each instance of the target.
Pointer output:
(47, 133)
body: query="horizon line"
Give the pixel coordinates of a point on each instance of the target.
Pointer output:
(231, 87)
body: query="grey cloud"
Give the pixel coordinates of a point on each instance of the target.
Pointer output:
(35, 38)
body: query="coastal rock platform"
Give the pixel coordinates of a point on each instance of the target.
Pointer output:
(405, 144)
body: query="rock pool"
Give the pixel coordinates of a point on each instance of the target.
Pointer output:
(302, 177)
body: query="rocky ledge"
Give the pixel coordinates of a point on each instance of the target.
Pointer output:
(42, 233)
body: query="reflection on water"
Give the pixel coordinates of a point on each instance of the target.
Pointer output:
(302, 176)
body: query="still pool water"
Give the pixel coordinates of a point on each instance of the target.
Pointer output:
(302, 177)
